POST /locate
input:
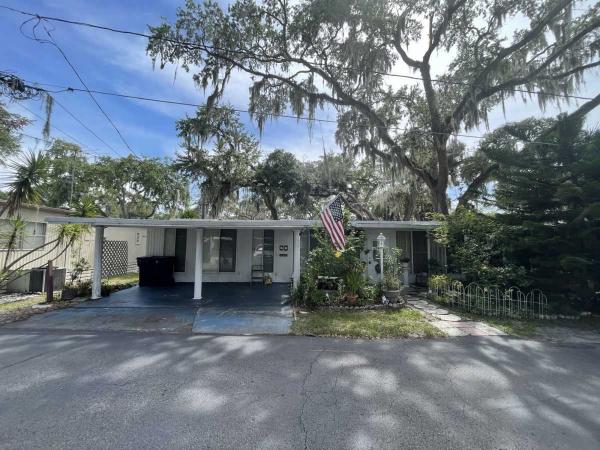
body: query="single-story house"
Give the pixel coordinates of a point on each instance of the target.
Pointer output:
(128, 243)
(243, 250)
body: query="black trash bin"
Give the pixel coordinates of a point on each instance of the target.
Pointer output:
(156, 270)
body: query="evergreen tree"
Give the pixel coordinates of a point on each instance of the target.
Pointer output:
(549, 195)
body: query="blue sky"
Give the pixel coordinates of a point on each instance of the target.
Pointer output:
(114, 62)
(118, 63)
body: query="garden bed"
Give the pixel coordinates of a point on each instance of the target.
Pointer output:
(370, 307)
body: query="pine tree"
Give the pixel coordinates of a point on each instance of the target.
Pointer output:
(549, 195)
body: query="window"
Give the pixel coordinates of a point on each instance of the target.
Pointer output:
(180, 249)
(210, 251)
(404, 243)
(219, 250)
(227, 251)
(32, 237)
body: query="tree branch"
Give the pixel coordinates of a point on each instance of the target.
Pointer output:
(480, 180)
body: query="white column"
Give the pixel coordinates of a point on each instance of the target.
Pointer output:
(198, 265)
(296, 261)
(97, 269)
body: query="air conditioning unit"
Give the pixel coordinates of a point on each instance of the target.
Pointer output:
(34, 280)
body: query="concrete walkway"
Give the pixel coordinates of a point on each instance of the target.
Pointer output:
(451, 324)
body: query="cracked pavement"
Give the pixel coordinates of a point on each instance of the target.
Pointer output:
(115, 390)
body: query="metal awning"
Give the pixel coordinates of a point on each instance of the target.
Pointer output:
(235, 224)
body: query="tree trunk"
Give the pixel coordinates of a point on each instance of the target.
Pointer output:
(439, 199)
(270, 204)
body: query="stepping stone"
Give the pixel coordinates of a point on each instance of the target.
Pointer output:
(448, 317)
(438, 311)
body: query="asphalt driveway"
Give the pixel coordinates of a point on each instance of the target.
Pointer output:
(227, 308)
(146, 390)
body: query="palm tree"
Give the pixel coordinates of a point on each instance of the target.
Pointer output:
(86, 207)
(29, 173)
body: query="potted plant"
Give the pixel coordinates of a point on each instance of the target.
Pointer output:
(353, 281)
(267, 279)
(392, 288)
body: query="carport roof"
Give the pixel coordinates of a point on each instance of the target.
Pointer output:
(252, 224)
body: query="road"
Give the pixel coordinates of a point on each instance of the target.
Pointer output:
(63, 389)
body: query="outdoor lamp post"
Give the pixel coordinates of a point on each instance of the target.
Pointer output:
(380, 244)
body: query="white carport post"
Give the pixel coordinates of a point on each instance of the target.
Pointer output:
(97, 270)
(296, 275)
(198, 266)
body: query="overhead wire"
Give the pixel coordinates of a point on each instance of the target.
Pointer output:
(206, 47)
(54, 43)
(278, 115)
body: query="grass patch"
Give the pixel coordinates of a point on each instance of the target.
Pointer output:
(12, 306)
(365, 324)
(128, 278)
(525, 327)
(513, 327)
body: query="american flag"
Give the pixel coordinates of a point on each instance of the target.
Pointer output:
(332, 219)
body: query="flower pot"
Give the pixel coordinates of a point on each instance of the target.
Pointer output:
(351, 298)
(395, 296)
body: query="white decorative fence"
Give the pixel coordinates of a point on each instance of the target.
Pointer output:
(511, 302)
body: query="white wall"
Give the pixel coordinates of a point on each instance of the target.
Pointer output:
(136, 242)
(390, 242)
(283, 265)
(282, 262)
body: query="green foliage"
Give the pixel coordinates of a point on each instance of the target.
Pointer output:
(390, 282)
(69, 175)
(392, 269)
(325, 261)
(191, 213)
(10, 125)
(439, 281)
(78, 269)
(304, 55)
(278, 177)
(354, 281)
(365, 324)
(28, 175)
(548, 196)
(226, 168)
(476, 246)
(130, 187)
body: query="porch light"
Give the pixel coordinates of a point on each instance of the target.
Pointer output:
(380, 244)
(380, 241)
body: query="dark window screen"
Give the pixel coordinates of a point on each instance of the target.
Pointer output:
(180, 249)
(227, 250)
(420, 251)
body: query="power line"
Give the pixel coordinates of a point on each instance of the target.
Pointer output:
(206, 47)
(285, 116)
(52, 126)
(52, 140)
(79, 77)
(85, 126)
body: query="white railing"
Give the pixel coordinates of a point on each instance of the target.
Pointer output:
(491, 301)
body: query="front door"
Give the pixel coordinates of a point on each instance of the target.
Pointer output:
(262, 254)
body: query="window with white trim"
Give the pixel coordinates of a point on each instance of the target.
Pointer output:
(219, 250)
(32, 236)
